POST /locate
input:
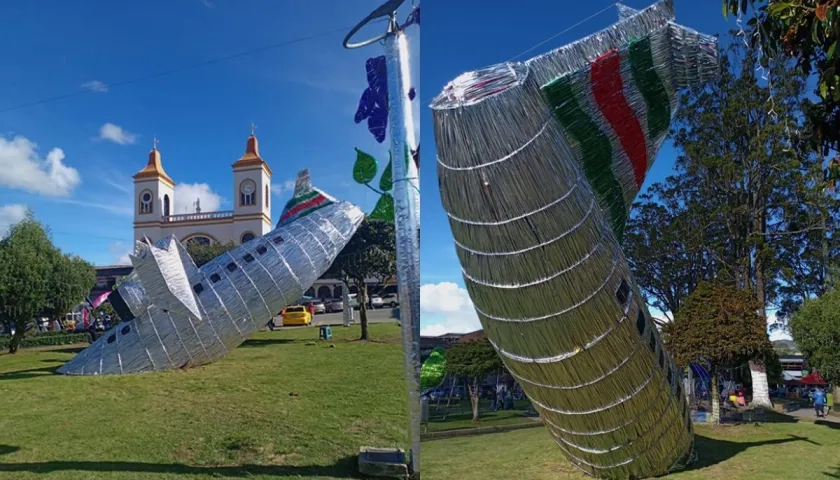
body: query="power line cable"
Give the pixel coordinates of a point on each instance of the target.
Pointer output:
(537, 45)
(183, 68)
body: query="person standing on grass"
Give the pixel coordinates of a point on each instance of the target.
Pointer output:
(829, 400)
(819, 402)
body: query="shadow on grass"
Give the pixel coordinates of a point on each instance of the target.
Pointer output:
(711, 451)
(7, 449)
(831, 425)
(72, 350)
(29, 373)
(834, 473)
(265, 342)
(343, 468)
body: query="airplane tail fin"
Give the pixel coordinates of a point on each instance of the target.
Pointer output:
(306, 199)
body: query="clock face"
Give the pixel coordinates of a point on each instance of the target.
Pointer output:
(247, 188)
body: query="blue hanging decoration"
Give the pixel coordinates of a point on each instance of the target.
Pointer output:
(373, 105)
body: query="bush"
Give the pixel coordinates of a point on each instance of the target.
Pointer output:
(47, 339)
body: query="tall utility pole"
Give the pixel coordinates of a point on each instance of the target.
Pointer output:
(406, 198)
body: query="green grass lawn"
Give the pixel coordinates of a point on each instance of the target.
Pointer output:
(462, 417)
(274, 407)
(784, 449)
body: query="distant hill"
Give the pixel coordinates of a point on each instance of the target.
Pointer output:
(785, 346)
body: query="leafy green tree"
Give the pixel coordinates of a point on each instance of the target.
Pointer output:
(667, 218)
(371, 253)
(473, 360)
(809, 32)
(36, 279)
(748, 171)
(816, 330)
(202, 253)
(718, 325)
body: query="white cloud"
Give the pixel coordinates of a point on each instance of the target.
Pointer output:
(446, 308)
(187, 193)
(120, 253)
(116, 134)
(21, 168)
(95, 86)
(9, 216)
(281, 189)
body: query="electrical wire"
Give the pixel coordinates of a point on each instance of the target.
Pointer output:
(537, 45)
(183, 68)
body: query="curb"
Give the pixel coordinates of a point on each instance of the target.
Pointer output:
(468, 432)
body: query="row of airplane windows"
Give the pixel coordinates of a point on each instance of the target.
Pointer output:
(623, 295)
(232, 266)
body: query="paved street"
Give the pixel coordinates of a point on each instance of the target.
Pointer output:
(381, 315)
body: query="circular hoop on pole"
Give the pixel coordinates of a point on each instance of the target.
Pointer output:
(386, 10)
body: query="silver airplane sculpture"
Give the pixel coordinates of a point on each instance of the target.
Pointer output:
(176, 315)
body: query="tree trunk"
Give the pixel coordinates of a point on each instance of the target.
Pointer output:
(715, 418)
(758, 370)
(16, 339)
(474, 400)
(363, 309)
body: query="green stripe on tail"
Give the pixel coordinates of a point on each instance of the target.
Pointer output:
(650, 85)
(595, 148)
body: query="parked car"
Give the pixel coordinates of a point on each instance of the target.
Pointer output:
(319, 306)
(376, 302)
(297, 315)
(334, 305)
(391, 300)
(354, 301)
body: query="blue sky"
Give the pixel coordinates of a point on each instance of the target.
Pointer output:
(470, 34)
(71, 160)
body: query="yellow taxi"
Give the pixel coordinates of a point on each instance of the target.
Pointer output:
(296, 315)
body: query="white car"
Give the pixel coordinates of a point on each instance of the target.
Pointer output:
(391, 300)
(376, 302)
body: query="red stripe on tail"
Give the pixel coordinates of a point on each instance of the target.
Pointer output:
(608, 90)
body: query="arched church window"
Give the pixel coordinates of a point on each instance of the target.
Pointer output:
(247, 237)
(146, 202)
(247, 193)
(266, 196)
(166, 205)
(199, 240)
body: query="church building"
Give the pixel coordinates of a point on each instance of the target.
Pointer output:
(250, 217)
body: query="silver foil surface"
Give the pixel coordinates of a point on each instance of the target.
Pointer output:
(539, 163)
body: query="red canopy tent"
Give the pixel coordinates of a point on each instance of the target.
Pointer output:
(813, 378)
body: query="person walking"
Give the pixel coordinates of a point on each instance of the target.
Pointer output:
(829, 400)
(819, 402)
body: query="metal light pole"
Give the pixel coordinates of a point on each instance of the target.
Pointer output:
(406, 200)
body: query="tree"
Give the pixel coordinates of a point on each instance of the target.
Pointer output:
(203, 253)
(371, 253)
(473, 360)
(749, 173)
(816, 330)
(718, 325)
(667, 219)
(740, 208)
(808, 31)
(36, 279)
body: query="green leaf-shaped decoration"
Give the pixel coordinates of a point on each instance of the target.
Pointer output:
(364, 170)
(386, 181)
(384, 209)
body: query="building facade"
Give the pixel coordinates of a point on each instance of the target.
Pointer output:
(154, 193)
